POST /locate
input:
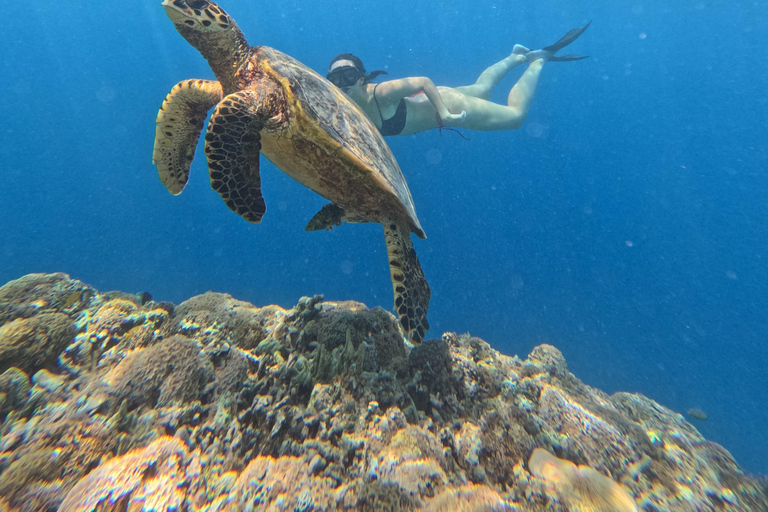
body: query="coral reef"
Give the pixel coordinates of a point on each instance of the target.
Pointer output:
(112, 401)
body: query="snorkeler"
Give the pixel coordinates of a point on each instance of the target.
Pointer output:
(412, 105)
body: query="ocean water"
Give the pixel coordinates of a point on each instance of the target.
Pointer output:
(625, 222)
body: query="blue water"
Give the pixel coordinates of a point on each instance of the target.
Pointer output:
(624, 223)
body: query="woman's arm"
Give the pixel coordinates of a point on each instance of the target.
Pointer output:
(393, 91)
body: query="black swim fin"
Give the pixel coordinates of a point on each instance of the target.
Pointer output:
(564, 41)
(565, 58)
(548, 52)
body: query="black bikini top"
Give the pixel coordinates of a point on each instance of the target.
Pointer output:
(395, 124)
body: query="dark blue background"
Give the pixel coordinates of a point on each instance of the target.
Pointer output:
(624, 223)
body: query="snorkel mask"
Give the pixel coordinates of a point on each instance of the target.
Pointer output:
(344, 78)
(346, 70)
(343, 74)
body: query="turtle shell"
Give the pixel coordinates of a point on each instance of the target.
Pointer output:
(331, 110)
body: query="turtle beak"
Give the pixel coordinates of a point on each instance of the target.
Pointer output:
(177, 10)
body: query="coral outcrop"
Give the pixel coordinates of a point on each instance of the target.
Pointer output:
(112, 401)
(582, 486)
(31, 344)
(162, 476)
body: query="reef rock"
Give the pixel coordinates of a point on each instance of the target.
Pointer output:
(111, 401)
(34, 343)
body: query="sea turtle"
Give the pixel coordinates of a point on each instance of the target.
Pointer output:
(270, 103)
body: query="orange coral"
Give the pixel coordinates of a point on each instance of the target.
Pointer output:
(581, 486)
(469, 498)
(156, 476)
(286, 483)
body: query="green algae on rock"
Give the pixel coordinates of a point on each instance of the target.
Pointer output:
(219, 405)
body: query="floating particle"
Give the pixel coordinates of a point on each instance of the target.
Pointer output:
(434, 156)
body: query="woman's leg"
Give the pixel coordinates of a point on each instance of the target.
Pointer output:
(486, 115)
(491, 77)
(521, 95)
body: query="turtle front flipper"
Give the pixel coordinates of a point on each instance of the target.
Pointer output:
(232, 145)
(179, 124)
(411, 289)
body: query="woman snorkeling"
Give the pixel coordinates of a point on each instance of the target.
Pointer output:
(412, 105)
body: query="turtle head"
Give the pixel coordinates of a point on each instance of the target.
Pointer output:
(198, 15)
(214, 33)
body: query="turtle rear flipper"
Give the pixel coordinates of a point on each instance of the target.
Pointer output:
(329, 216)
(411, 289)
(179, 124)
(232, 145)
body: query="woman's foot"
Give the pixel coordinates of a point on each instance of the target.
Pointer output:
(532, 55)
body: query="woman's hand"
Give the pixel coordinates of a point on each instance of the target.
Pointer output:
(453, 119)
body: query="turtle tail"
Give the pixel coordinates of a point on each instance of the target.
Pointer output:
(412, 292)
